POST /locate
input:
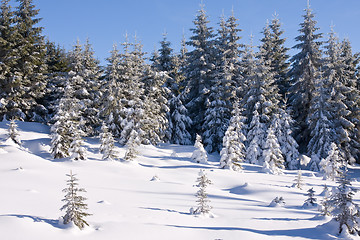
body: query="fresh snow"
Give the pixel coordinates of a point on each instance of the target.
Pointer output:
(126, 204)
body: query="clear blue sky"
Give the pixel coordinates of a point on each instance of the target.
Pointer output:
(105, 22)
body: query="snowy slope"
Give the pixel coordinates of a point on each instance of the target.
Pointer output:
(126, 204)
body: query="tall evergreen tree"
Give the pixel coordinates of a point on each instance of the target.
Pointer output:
(199, 70)
(303, 74)
(233, 151)
(28, 78)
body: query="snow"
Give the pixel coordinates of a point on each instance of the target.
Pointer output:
(126, 204)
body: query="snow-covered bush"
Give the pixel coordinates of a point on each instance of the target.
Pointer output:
(277, 202)
(199, 155)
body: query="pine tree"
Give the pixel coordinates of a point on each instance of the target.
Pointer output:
(67, 115)
(352, 100)
(110, 103)
(303, 74)
(74, 204)
(233, 151)
(77, 150)
(28, 69)
(279, 57)
(180, 122)
(345, 211)
(131, 90)
(132, 144)
(325, 207)
(332, 163)
(199, 70)
(319, 121)
(273, 159)
(283, 125)
(203, 201)
(107, 147)
(298, 180)
(13, 132)
(311, 200)
(199, 155)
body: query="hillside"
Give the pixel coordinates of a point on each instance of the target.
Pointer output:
(126, 204)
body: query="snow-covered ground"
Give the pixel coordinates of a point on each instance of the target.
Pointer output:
(128, 203)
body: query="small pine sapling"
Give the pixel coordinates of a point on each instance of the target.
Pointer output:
(132, 144)
(76, 150)
(203, 201)
(107, 147)
(199, 155)
(13, 132)
(325, 206)
(298, 180)
(344, 210)
(74, 203)
(311, 200)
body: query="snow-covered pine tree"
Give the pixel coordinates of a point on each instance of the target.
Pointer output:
(344, 210)
(75, 207)
(325, 207)
(311, 200)
(154, 124)
(233, 151)
(131, 89)
(331, 165)
(256, 136)
(272, 156)
(26, 87)
(299, 183)
(283, 125)
(77, 150)
(132, 144)
(67, 115)
(199, 155)
(110, 102)
(279, 57)
(199, 72)
(180, 122)
(303, 74)
(203, 201)
(222, 92)
(13, 132)
(319, 121)
(352, 101)
(107, 147)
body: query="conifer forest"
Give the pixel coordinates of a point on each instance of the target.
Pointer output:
(235, 105)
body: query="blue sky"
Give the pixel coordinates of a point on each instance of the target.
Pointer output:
(105, 22)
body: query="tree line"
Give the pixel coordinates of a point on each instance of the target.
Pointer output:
(251, 103)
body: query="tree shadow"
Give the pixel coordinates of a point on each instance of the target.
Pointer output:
(52, 222)
(310, 233)
(165, 210)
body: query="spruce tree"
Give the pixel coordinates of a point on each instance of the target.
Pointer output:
(233, 151)
(272, 156)
(303, 74)
(74, 203)
(345, 211)
(77, 150)
(311, 200)
(199, 70)
(199, 155)
(107, 147)
(332, 163)
(28, 69)
(132, 144)
(201, 194)
(131, 89)
(298, 180)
